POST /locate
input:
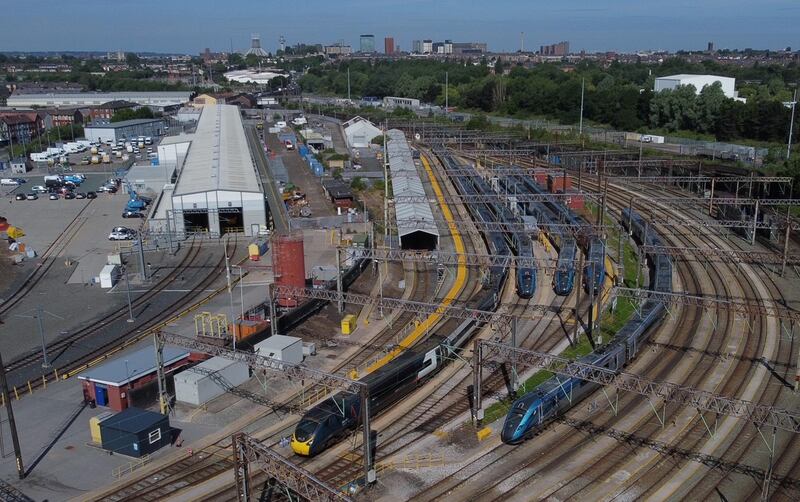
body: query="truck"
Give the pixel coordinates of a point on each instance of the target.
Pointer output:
(652, 138)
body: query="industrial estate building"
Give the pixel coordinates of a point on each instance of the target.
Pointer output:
(359, 132)
(416, 227)
(126, 129)
(698, 81)
(49, 100)
(217, 189)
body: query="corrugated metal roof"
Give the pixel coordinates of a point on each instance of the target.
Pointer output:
(411, 216)
(219, 157)
(132, 366)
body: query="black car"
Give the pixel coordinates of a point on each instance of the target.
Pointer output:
(69, 195)
(80, 195)
(20, 196)
(91, 195)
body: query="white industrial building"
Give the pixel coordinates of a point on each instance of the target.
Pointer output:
(415, 224)
(80, 99)
(217, 190)
(288, 349)
(209, 380)
(359, 132)
(124, 130)
(395, 102)
(698, 81)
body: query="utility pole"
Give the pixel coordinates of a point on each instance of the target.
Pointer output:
(791, 127)
(38, 314)
(11, 423)
(348, 83)
(580, 124)
(446, 93)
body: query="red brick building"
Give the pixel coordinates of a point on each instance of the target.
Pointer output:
(129, 379)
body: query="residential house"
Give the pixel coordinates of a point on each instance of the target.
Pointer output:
(107, 110)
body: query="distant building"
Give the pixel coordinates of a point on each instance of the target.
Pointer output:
(427, 47)
(57, 117)
(559, 49)
(107, 110)
(49, 99)
(367, 44)
(20, 127)
(395, 102)
(416, 46)
(388, 45)
(126, 129)
(711, 47)
(698, 81)
(467, 48)
(337, 50)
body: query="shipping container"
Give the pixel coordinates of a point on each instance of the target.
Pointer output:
(94, 426)
(348, 324)
(558, 182)
(135, 432)
(540, 176)
(283, 348)
(288, 264)
(109, 276)
(244, 329)
(197, 387)
(574, 200)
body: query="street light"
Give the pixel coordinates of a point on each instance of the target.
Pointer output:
(791, 126)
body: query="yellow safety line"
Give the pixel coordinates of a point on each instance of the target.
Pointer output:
(461, 277)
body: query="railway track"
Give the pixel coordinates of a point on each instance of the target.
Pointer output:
(86, 336)
(47, 259)
(511, 460)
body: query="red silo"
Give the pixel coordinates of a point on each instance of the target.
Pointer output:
(288, 264)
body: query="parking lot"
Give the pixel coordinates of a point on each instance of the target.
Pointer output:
(84, 223)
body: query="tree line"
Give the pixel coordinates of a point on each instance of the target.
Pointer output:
(620, 95)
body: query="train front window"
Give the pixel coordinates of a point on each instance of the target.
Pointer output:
(305, 429)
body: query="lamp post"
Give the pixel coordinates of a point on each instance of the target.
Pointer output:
(791, 127)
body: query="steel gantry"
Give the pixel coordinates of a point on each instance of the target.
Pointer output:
(488, 352)
(745, 306)
(292, 372)
(451, 258)
(456, 310)
(492, 197)
(732, 255)
(248, 452)
(530, 226)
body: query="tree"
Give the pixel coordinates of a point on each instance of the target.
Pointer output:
(378, 140)
(709, 107)
(358, 184)
(130, 114)
(132, 59)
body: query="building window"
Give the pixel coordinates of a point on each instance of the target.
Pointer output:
(154, 436)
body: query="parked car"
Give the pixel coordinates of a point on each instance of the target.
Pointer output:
(80, 195)
(132, 214)
(39, 189)
(20, 180)
(91, 195)
(69, 195)
(20, 196)
(121, 234)
(9, 181)
(32, 196)
(54, 196)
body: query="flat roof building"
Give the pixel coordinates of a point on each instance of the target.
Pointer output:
(218, 190)
(126, 129)
(128, 380)
(698, 81)
(59, 99)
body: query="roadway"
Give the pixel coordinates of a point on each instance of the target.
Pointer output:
(280, 218)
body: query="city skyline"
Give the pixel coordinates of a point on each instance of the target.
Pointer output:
(623, 25)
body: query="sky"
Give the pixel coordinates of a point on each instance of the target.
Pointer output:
(188, 26)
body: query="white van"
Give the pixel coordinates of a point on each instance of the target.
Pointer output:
(9, 181)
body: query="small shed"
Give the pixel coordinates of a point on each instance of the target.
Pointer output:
(209, 379)
(283, 348)
(20, 166)
(109, 276)
(135, 432)
(130, 378)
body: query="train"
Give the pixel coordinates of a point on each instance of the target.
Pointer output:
(529, 414)
(564, 276)
(594, 269)
(519, 241)
(337, 416)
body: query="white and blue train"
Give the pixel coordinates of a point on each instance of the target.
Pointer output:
(533, 411)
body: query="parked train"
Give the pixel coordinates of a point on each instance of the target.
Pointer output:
(519, 241)
(564, 276)
(335, 417)
(530, 413)
(594, 269)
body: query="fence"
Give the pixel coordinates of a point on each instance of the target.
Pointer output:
(131, 466)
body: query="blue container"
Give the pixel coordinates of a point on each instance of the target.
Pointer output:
(154, 162)
(303, 149)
